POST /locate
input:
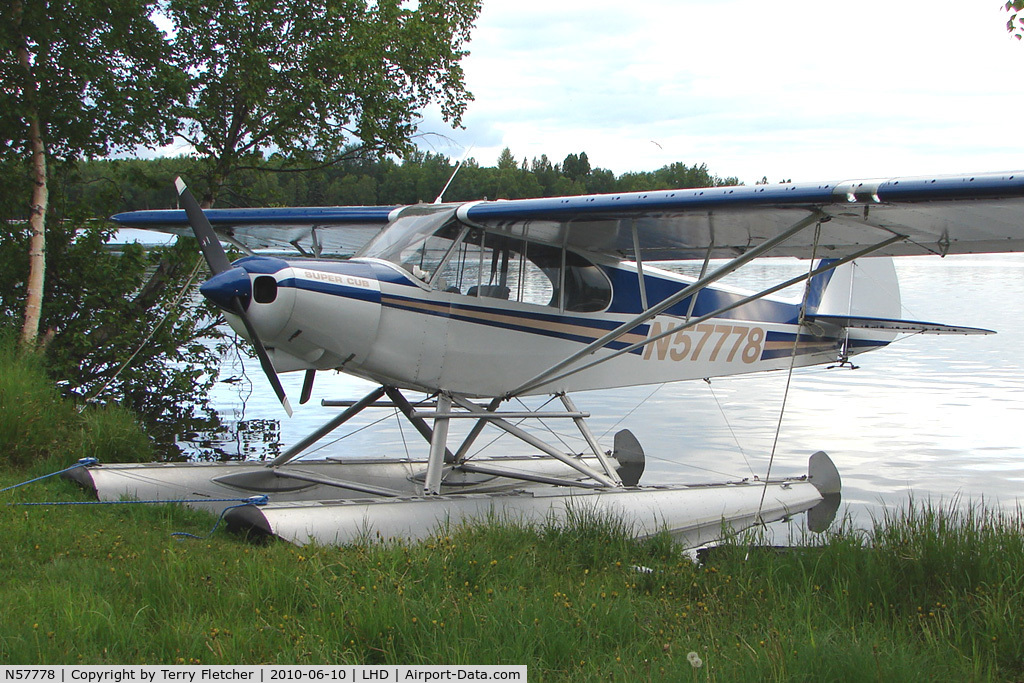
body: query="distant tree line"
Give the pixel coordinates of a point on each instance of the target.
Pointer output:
(131, 184)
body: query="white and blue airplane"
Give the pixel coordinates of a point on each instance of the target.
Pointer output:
(495, 300)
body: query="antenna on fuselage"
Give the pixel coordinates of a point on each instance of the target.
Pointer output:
(457, 167)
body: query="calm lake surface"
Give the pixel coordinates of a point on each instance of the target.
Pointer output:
(933, 417)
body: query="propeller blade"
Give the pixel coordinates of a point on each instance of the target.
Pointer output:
(307, 386)
(261, 353)
(213, 252)
(217, 259)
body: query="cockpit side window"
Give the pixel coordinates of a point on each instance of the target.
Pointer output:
(586, 287)
(451, 257)
(500, 267)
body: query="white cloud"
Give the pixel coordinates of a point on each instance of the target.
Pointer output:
(803, 90)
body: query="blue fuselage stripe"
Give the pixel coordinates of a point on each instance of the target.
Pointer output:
(333, 289)
(589, 329)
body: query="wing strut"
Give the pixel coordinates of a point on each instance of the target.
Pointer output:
(725, 309)
(639, 258)
(628, 326)
(703, 272)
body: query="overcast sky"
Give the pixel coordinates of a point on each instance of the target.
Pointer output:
(805, 89)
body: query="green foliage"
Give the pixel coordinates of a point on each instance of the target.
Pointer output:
(507, 162)
(579, 603)
(38, 426)
(1015, 24)
(77, 79)
(930, 592)
(576, 167)
(34, 419)
(112, 434)
(105, 186)
(308, 80)
(97, 76)
(674, 175)
(101, 343)
(420, 177)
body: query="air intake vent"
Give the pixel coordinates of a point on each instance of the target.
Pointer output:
(264, 289)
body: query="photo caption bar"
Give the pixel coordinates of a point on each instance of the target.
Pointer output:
(154, 673)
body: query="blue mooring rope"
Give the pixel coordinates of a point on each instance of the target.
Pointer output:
(85, 462)
(253, 500)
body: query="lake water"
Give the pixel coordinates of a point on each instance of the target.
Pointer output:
(935, 417)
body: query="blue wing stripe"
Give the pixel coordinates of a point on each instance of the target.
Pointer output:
(309, 215)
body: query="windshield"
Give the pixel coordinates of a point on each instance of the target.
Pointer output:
(408, 234)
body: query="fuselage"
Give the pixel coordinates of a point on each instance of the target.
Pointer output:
(443, 306)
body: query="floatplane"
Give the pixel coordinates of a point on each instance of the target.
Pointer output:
(476, 304)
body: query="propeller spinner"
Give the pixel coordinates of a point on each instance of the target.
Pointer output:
(228, 289)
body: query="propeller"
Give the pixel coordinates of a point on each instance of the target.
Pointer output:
(307, 386)
(217, 259)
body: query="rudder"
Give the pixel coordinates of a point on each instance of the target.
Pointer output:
(864, 288)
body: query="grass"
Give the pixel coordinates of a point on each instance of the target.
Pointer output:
(38, 428)
(929, 593)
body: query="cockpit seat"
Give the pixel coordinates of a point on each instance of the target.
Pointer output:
(492, 291)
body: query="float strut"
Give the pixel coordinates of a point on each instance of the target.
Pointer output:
(354, 410)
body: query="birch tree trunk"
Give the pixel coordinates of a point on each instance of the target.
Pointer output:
(39, 202)
(37, 242)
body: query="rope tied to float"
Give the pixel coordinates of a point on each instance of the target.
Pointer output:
(801, 322)
(83, 462)
(178, 535)
(251, 500)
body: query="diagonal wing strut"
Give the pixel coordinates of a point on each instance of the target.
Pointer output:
(664, 305)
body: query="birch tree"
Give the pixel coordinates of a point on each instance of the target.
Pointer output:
(78, 78)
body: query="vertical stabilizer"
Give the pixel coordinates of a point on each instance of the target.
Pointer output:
(865, 288)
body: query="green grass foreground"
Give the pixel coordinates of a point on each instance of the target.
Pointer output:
(930, 594)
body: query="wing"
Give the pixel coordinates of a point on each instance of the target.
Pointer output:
(934, 215)
(311, 230)
(961, 214)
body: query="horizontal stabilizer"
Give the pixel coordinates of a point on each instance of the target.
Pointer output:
(862, 323)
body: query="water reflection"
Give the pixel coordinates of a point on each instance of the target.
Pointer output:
(936, 416)
(234, 439)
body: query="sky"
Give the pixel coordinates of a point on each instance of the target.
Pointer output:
(803, 90)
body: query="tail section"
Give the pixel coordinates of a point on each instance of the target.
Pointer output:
(863, 296)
